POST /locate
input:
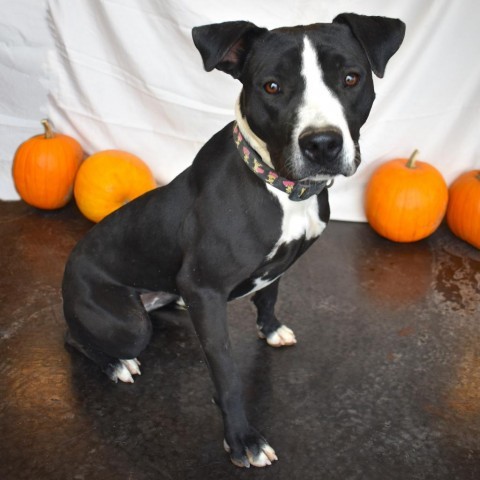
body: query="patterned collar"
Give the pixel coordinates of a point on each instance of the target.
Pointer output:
(296, 190)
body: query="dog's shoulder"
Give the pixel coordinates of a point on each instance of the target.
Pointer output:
(219, 171)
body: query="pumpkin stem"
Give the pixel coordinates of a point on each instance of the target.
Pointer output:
(477, 176)
(413, 158)
(48, 129)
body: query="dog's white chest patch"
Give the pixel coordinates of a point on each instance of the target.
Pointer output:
(300, 219)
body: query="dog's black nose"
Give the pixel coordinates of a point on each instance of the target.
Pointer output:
(321, 145)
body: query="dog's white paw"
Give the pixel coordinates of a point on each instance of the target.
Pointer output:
(282, 337)
(265, 455)
(125, 370)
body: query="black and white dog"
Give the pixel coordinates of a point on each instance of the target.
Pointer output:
(252, 202)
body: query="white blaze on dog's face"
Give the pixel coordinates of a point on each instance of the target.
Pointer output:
(321, 127)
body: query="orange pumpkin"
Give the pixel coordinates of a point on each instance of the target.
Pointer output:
(463, 212)
(109, 179)
(44, 168)
(406, 199)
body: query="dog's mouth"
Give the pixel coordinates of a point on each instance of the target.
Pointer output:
(316, 152)
(295, 165)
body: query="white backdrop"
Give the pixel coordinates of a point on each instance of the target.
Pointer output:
(125, 74)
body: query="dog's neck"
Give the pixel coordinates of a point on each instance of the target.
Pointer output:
(255, 142)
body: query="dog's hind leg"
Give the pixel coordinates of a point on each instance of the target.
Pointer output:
(153, 300)
(110, 326)
(269, 328)
(116, 369)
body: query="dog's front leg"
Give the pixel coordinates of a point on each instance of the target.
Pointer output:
(269, 328)
(208, 311)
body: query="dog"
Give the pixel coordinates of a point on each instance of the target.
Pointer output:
(253, 200)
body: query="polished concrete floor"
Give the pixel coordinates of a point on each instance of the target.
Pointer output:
(384, 382)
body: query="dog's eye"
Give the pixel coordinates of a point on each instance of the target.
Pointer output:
(272, 88)
(351, 79)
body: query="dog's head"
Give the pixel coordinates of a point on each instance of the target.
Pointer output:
(307, 90)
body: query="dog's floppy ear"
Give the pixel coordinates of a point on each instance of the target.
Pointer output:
(380, 37)
(224, 46)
